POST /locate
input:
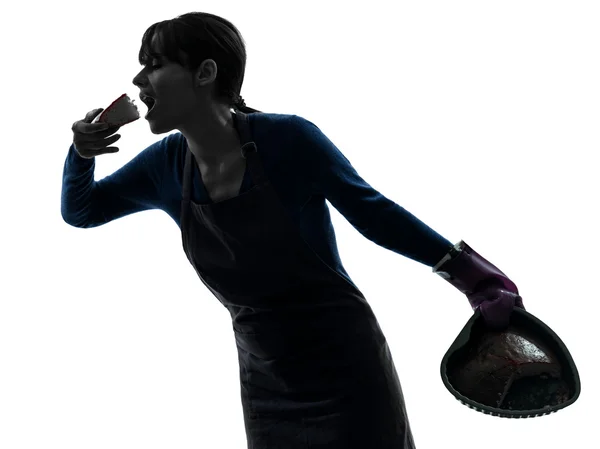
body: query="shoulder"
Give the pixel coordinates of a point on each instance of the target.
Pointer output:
(285, 130)
(271, 122)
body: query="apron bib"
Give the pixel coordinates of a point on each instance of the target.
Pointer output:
(315, 367)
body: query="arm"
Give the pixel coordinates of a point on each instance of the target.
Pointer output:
(390, 226)
(135, 187)
(373, 215)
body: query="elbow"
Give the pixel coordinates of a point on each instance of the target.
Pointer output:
(71, 220)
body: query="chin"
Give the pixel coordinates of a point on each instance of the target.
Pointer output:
(157, 129)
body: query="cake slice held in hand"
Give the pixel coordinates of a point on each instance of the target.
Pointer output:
(121, 112)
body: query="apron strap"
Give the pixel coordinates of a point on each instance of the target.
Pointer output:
(187, 174)
(249, 149)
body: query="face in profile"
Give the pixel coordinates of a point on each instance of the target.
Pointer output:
(174, 102)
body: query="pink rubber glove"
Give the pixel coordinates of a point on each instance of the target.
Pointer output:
(485, 286)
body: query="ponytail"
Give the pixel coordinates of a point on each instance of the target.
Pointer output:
(240, 105)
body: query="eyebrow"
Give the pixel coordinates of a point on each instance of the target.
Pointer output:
(152, 55)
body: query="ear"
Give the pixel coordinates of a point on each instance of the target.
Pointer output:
(206, 73)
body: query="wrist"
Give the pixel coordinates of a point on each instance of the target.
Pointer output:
(450, 255)
(468, 271)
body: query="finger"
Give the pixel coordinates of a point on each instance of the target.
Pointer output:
(105, 129)
(93, 153)
(107, 150)
(90, 128)
(104, 143)
(87, 126)
(112, 129)
(493, 319)
(92, 115)
(96, 144)
(519, 302)
(95, 130)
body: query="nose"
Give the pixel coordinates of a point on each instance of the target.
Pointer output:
(137, 80)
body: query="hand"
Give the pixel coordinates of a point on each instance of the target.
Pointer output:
(496, 304)
(486, 287)
(92, 139)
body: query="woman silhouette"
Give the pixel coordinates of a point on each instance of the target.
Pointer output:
(248, 190)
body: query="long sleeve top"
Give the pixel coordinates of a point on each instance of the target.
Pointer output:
(302, 164)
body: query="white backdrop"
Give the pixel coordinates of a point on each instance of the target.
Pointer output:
(479, 117)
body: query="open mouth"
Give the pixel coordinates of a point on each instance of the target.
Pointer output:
(148, 101)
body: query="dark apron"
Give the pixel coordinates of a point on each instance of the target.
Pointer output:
(315, 367)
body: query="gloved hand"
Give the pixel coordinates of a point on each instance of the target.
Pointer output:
(486, 287)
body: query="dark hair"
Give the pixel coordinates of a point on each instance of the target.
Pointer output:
(198, 36)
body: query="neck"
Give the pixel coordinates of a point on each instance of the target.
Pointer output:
(212, 138)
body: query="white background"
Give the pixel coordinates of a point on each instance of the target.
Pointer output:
(479, 117)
